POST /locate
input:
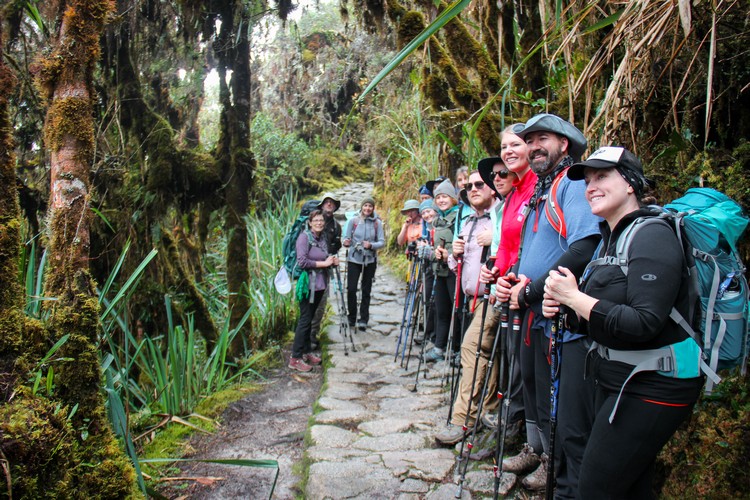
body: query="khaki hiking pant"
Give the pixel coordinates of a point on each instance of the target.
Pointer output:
(468, 359)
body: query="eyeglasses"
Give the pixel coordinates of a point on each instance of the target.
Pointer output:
(316, 220)
(478, 185)
(503, 174)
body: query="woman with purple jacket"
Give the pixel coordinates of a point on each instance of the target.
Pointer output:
(312, 257)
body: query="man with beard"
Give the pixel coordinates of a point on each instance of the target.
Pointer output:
(332, 235)
(559, 230)
(475, 236)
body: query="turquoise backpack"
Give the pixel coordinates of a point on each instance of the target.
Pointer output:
(709, 225)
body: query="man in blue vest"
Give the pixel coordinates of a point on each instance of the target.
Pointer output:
(559, 230)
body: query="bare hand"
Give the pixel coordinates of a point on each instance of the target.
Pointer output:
(458, 247)
(367, 244)
(441, 253)
(550, 307)
(561, 286)
(485, 238)
(347, 242)
(487, 275)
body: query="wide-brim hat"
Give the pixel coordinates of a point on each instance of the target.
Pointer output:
(329, 196)
(485, 170)
(430, 185)
(617, 157)
(410, 205)
(552, 123)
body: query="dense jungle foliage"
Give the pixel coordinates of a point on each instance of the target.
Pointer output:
(147, 148)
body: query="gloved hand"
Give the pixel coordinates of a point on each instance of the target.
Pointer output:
(425, 252)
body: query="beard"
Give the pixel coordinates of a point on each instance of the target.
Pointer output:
(544, 160)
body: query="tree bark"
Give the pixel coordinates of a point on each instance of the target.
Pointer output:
(235, 157)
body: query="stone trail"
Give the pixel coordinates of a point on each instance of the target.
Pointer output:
(373, 436)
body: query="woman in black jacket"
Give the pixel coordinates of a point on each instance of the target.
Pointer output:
(628, 315)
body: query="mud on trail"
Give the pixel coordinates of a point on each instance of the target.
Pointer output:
(268, 424)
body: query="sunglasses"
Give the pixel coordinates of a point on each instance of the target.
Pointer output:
(503, 174)
(478, 185)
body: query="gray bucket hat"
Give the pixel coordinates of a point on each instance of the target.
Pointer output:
(410, 205)
(553, 123)
(329, 196)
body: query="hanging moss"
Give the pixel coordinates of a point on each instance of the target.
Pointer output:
(470, 56)
(412, 24)
(435, 89)
(463, 93)
(394, 10)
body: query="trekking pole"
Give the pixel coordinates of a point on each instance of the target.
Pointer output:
(416, 309)
(344, 322)
(490, 264)
(427, 307)
(556, 332)
(412, 306)
(452, 331)
(407, 300)
(513, 327)
(456, 370)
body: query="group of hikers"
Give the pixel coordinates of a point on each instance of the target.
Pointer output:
(529, 242)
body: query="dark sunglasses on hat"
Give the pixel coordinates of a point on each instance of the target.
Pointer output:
(503, 174)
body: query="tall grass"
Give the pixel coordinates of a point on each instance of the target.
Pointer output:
(270, 314)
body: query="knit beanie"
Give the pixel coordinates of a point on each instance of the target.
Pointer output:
(368, 200)
(446, 187)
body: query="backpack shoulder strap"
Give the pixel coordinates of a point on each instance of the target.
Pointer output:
(552, 208)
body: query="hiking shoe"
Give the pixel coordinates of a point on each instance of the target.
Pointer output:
(451, 435)
(490, 420)
(362, 326)
(523, 462)
(434, 354)
(299, 365)
(311, 359)
(537, 480)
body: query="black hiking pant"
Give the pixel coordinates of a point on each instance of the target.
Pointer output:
(367, 272)
(302, 342)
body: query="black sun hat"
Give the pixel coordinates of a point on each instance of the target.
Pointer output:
(485, 170)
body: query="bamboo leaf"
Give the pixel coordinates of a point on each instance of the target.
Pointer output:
(446, 16)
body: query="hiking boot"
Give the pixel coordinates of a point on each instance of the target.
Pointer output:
(451, 435)
(362, 326)
(537, 480)
(523, 462)
(434, 354)
(299, 365)
(311, 359)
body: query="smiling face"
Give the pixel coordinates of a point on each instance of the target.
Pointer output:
(368, 209)
(502, 178)
(444, 202)
(317, 223)
(608, 194)
(514, 152)
(480, 198)
(428, 215)
(546, 149)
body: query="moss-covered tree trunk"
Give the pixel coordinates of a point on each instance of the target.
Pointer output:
(234, 155)
(66, 83)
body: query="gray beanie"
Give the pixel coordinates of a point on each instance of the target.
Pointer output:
(446, 187)
(367, 200)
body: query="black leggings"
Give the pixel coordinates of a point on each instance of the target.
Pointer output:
(352, 280)
(445, 287)
(619, 458)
